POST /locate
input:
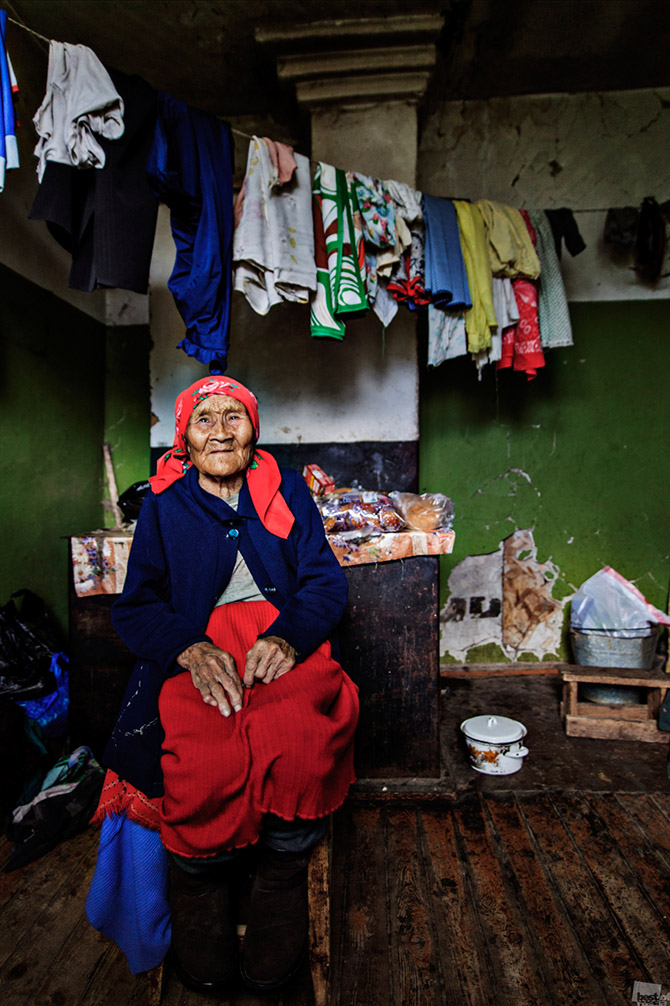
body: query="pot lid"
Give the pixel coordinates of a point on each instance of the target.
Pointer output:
(496, 729)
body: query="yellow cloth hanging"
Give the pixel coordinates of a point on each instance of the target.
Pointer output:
(510, 248)
(480, 319)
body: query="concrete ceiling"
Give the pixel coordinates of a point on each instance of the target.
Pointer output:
(207, 53)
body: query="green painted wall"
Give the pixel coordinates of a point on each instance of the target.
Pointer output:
(591, 435)
(53, 421)
(127, 404)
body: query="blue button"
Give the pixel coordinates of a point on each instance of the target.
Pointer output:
(233, 533)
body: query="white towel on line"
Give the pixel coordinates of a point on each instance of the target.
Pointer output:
(273, 247)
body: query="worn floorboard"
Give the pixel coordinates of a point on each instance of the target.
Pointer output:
(552, 885)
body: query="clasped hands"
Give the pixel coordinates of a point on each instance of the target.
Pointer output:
(214, 673)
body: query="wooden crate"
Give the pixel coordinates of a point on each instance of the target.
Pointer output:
(608, 722)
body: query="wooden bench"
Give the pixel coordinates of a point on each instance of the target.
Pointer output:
(637, 722)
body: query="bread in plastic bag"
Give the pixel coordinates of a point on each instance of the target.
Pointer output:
(358, 510)
(424, 512)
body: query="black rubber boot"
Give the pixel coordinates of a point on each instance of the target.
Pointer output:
(204, 933)
(276, 937)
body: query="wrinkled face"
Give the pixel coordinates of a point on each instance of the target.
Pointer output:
(220, 437)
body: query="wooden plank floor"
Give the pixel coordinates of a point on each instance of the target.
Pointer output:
(523, 890)
(505, 899)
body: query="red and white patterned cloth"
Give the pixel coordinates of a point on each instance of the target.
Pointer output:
(521, 345)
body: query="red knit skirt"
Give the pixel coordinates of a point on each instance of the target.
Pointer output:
(289, 751)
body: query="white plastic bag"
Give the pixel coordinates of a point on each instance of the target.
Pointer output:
(608, 601)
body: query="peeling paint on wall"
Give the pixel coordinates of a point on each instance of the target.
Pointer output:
(532, 618)
(505, 598)
(472, 615)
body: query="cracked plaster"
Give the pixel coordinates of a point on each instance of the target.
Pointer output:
(503, 598)
(587, 151)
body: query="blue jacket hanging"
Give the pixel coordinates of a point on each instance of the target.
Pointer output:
(190, 169)
(9, 154)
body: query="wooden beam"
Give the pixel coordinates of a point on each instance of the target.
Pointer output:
(501, 670)
(631, 676)
(615, 730)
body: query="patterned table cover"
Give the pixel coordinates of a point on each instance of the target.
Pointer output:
(100, 559)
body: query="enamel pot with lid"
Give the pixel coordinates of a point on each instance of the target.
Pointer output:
(495, 744)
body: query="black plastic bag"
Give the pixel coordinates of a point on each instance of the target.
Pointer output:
(62, 808)
(27, 645)
(22, 761)
(130, 501)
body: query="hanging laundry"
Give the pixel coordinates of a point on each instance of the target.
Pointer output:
(380, 234)
(521, 345)
(504, 302)
(80, 101)
(554, 316)
(480, 318)
(407, 283)
(445, 279)
(511, 251)
(407, 200)
(273, 246)
(388, 258)
(665, 213)
(9, 152)
(385, 305)
(283, 160)
(107, 219)
(283, 166)
(620, 226)
(564, 228)
(507, 314)
(446, 335)
(650, 241)
(190, 169)
(339, 253)
(377, 210)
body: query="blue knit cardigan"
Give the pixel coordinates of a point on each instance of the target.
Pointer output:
(183, 553)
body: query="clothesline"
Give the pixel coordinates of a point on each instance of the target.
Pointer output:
(249, 136)
(20, 24)
(240, 132)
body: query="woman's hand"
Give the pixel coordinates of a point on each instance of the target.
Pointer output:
(214, 674)
(268, 658)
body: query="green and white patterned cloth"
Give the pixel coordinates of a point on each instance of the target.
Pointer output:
(339, 253)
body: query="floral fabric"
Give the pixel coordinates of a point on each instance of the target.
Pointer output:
(377, 210)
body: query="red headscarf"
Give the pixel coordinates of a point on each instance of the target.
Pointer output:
(263, 476)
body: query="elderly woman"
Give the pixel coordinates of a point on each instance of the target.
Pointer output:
(237, 726)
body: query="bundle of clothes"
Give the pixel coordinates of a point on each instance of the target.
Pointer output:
(486, 274)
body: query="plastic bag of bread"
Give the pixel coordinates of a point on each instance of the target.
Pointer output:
(427, 512)
(358, 510)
